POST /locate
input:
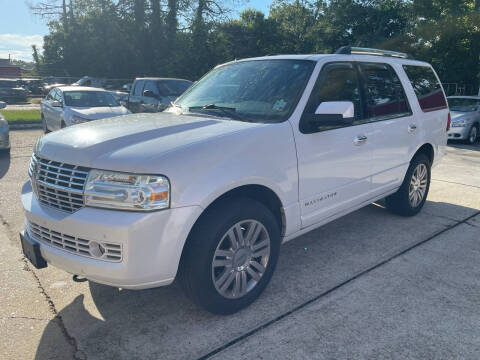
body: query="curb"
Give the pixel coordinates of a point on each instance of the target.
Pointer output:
(25, 126)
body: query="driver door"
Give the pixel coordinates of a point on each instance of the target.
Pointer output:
(334, 161)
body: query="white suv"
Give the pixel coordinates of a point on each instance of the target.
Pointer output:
(258, 152)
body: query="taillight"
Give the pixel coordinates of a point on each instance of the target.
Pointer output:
(448, 122)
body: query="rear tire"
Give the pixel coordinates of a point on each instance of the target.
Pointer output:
(473, 135)
(411, 196)
(218, 271)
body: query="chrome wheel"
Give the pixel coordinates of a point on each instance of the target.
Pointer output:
(418, 185)
(473, 135)
(241, 259)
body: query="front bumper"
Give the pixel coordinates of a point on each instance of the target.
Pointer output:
(458, 133)
(151, 243)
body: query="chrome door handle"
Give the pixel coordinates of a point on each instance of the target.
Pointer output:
(360, 139)
(412, 128)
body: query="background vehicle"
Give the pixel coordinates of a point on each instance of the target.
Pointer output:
(33, 86)
(4, 132)
(209, 189)
(11, 91)
(155, 94)
(465, 111)
(70, 105)
(103, 83)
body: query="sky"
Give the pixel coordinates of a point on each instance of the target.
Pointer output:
(19, 29)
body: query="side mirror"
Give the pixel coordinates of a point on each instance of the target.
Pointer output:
(2, 104)
(56, 103)
(149, 93)
(334, 113)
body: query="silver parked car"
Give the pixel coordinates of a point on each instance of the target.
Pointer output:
(465, 112)
(70, 105)
(4, 136)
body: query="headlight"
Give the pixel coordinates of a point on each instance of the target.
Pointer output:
(78, 120)
(460, 123)
(108, 189)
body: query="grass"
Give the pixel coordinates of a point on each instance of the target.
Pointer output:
(22, 116)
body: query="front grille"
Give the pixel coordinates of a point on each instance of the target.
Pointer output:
(75, 245)
(57, 184)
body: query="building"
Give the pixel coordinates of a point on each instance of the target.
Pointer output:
(7, 70)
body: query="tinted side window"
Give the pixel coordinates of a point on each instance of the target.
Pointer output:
(58, 96)
(426, 86)
(173, 87)
(51, 95)
(336, 82)
(138, 90)
(384, 95)
(152, 86)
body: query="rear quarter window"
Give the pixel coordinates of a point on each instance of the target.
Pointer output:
(426, 86)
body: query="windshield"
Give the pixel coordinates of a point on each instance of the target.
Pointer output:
(8, 83)
(89, 99)
(463, 104)
(256, 90)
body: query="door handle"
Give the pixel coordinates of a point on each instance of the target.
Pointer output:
(412, 128)
(360, 139)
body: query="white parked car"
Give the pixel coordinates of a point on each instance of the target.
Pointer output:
(70, 105)
(465, 112)
(258, 152)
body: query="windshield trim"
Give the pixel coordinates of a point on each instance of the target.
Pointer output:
(248, 119)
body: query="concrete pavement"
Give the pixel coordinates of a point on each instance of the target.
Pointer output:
(369, 285)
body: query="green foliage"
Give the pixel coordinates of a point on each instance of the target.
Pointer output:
(185, 38)
(21, 116)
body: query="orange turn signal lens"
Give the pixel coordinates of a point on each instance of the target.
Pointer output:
(159, 196)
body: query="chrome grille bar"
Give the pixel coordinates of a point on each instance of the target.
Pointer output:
(57, 184)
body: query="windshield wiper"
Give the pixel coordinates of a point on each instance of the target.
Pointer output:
(228, 111)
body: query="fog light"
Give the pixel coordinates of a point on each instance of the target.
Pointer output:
(96, 249)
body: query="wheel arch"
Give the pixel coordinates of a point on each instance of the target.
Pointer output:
(257, 192)
(260, 193)
(426, 149)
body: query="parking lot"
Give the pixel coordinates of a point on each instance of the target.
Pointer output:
(369, 285)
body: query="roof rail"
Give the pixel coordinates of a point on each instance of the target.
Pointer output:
(348, 50)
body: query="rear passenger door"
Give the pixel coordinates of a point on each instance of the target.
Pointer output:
(394, 134)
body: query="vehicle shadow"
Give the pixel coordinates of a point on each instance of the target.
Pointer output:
(111, 323)
(460, 145)
(4, 163)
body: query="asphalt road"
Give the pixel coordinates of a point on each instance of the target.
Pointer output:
(369, 285)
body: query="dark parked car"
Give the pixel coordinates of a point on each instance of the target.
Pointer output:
(155, 94)
(10, 91)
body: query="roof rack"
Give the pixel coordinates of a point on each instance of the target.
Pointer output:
(348, 50)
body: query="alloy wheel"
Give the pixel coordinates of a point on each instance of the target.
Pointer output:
(240, 259)
(418, 185)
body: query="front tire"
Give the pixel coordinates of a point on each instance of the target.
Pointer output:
(230, 255)
(411, 196)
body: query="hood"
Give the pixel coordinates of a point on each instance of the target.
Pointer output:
(130, 143)
(95, 113)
